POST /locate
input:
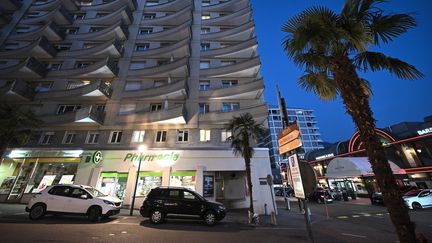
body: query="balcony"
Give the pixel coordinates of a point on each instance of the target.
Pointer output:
(259, 112)
(174, 6)
(245, 69)
(174, 34)
(10, 5)
(87, 115)
(4, 20)
(117, 30)
(28, 69)
(175, 90)
(41, 48)
(112, 48)
(176, 69)
(179, 49)
(106, 68)
(96, 90)
(122, 14)
(51, 31)
(60, 16)
(226, 6)
(240, 33)
(111, 6)
(172, 19)
(250, 90)
(238, 18)
(244, 49)
(51, 5)
(174, 115)
(17, 91)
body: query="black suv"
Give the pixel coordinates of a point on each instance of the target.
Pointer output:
(162, 201)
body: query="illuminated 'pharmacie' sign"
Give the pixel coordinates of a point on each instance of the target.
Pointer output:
(425, 131)
(153, 157)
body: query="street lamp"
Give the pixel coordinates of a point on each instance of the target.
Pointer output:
(141, 149)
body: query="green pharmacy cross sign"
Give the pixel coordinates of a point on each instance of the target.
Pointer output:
(97, 157)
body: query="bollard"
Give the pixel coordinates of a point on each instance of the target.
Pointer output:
(273, 220)
(265, 209)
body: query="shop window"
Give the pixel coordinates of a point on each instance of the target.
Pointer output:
(182, 136)
(46, 138)
(183, 179)
(148, 181)
(69, 137)
(113, 184)
(115, 137)
(92, 138)
(138, 136)
(205, 135)
(160, 136)
(225, 134)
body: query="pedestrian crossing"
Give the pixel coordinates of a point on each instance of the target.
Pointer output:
(360, 215)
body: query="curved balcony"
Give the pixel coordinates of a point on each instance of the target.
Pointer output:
(240, 33)
(245, 49)
(122, 14)
(250, 90)
(226, 6)
(86, 115)
(60, 16)
(111, 6)
(10, 5)
(174, 115)
(51, 31)
(238, 18)
(176, 69)
(40, 48)
(175, 90)
(117, 30)
(172, 19)
(177, 33)
(69, 5)
(112, 48)
(28, 69)
(259, 112)
(94, 90)
(106, 68)
(174, 6)
(17, 91)
(179, 49)
(245, 69)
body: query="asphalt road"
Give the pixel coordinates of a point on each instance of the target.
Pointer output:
(347, 222)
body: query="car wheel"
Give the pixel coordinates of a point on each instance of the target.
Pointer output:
(37, 212)
(94, 214)
(210, 218)
(157, 216)
(416, 206)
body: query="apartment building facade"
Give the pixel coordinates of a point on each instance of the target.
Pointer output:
(106, 76)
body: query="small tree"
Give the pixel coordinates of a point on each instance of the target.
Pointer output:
(245, 133)
(16, 124)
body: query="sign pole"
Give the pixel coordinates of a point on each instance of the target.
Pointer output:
(136, 185)
(307, 220)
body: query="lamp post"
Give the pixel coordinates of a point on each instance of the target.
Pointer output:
(141, 149)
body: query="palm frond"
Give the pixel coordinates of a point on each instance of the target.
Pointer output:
(320, 83)
(376, 61)
(385, 28)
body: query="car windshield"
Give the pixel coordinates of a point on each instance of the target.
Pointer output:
(199, 196)
(95, 192)
(413, 193)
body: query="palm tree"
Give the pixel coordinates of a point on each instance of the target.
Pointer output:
(331, 48)
(16, 124)
(245, 133)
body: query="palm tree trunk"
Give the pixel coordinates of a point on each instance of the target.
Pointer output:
(357, 105)
(249, 182)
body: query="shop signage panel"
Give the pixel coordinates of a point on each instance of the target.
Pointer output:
(288, 130)
(296, 176)
(208, 186)
(289, 137)
(296, 143)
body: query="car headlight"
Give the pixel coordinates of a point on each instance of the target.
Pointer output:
(108, 202)
(221, 207)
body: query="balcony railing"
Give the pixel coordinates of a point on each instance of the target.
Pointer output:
(106, 68)
(172, 19)
(111, 6)
(175, 90)
(244, 69)
(174, 5)
(117, 30)
(86, 115)
(174, 34)
(241, 50)
(122, 14)
(112, 48)
(173, 115)
(237, 18)
(179, 49)
(30, 68)
(258, 111)
(10, 5)
(17, 90)
(230, 5)
(176, 69)
(240, 33)
(40, 48)
(250, 90)
(94, 90)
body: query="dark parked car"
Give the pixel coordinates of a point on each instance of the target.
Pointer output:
(377, 198)
(320, 195)
(279, 191)
(163, 201)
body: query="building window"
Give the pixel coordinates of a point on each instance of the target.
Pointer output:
(149, 16)
(227, 63)
(145, 31)
(203, 108)
(182, 136)
(225, 134)
(54, 66)
(160, 136)
(133, 85)
(62, 109)
(82, 64)
(204, 64)
(142, 47)
(63, 46)
(156, 107)
(46, 138)
(92, 137)
(230, 106)
(127, 108)
(204, 85)
(79, 16)
(158, 83)
(115, 137)
(205, 16)
(205, 30)
(69, 137)
(101, 14)
(95, 29)
(152, 2)
(229, 83)
(72, 30)
(138, 136)
(205, 2)
(44, 86)
(205, 135)
(205, 46)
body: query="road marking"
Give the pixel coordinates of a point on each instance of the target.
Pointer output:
(19, 213)
(277, 228)
(111, 234)
(366, 215)
(358, 236)
(115, 222)
(342, 217)
(379, 214)
(95, 238)
(356, 216)
(124, 232)
(126, 223)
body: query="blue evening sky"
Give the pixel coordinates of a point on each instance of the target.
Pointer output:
(393, 101)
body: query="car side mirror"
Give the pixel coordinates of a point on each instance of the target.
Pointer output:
(83, 196)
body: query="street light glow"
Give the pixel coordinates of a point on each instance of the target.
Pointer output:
(142, 148)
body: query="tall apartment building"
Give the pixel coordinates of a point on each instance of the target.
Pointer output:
(309, 132)
(108, 75)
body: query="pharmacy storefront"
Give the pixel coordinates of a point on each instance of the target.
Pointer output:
(218, 175)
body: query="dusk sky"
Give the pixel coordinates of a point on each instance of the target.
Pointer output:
(393, 100)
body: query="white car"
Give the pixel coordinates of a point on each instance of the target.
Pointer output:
(418, 198)
(73, 199)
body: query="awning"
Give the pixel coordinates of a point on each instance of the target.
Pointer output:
(354, 166)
